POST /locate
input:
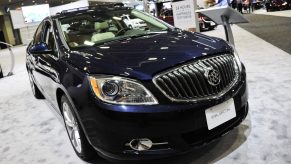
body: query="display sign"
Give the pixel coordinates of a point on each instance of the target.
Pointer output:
(35, 13)
(184, 14)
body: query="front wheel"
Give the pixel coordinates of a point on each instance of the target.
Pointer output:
(76, 135)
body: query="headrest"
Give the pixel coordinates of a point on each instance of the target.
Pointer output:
(102, 36)
(101, 26)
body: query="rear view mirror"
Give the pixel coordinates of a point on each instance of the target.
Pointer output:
(40, 48)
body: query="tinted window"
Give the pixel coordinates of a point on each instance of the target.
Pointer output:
(95, 27)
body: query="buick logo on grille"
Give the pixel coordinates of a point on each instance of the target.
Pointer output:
(213, 76)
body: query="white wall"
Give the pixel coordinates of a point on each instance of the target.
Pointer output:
(18, 20)
(28, 29)
(73, 5)
(26, 34)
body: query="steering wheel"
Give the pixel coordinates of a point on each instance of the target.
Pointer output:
(122, 31)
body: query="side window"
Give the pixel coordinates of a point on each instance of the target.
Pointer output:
(38, 34)
(49, 39)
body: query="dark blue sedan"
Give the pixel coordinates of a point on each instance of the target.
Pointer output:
(136, 88)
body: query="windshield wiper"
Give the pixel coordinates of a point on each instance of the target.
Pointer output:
(125, 37)
(111, 40)
(146, 34)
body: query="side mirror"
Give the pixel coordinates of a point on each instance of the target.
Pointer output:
(40, 48)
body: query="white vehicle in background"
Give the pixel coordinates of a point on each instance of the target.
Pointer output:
(133, 23)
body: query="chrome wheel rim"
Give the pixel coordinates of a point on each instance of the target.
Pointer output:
(72, 127)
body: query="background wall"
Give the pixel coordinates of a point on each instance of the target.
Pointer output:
(6, 27)
(26, 34)
(27, 30)
(80, 3)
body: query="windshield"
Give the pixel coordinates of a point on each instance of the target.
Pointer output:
(93, 28)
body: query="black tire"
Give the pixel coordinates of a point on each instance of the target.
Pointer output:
(87, 152)
(35, 91)
(1, 73)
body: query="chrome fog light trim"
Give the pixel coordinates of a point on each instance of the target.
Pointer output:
(141, 144)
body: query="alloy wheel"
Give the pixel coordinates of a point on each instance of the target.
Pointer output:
(72, 127)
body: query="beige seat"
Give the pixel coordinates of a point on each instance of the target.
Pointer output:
(102, 36)
(102, 33)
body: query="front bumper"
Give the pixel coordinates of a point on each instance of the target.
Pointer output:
(178, 143)
(109, 128)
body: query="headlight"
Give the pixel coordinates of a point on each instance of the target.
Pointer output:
(118, 90)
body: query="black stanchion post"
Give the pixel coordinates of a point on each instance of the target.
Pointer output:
(224, 16)
(1, 73)
(227, 29)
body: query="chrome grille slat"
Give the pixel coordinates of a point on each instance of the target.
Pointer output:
(189, 82)
(179, 85)
(201, 79)
(229, 63)
(195, 75)
(183, 83)
(184, 76)
(221, 71)
(209, 89)
(172, 85)
(215, 88)
(228, 67)
(164, 85)
(225, 67)
(195, 82)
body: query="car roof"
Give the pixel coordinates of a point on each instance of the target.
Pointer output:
(89, 9)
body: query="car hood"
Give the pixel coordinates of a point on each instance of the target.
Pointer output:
(144, 57)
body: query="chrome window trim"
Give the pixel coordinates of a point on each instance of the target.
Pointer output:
(61, 34)
(55, 44)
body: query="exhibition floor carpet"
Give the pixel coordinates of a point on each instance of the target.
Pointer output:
(273, 29)
(31, 134)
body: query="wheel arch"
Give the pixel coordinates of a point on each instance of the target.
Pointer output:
(59, 94)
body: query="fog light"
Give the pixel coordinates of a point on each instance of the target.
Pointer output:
(141, 144)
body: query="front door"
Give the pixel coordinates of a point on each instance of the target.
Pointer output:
(47, 65)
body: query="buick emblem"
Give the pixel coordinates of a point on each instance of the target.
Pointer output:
(213, 76)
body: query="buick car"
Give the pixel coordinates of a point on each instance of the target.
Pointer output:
(135, 93)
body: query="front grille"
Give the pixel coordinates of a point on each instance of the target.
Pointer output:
(199, 80)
